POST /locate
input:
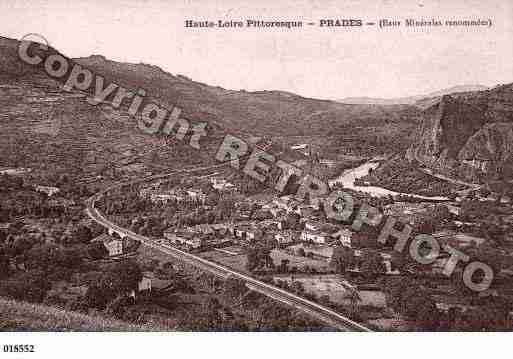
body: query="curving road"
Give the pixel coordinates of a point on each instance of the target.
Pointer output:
(313, 309)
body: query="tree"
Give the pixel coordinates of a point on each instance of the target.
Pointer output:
(418, 305)
(234, 289)
(30, 286)
(211, 313)
(273, 317)
(4, 263)
(20, 244)
(252, 260)
(297, 287)
(407, 297)
(342, 259)
(354, 299)
(301, 252)
(82, 234)
(119, 279)
(486, 318)
(126, 275)
(399, 261)
(292, 221)
(258, 256)
(42, 257)
(441, 213)
(97, 250)
(372, 264)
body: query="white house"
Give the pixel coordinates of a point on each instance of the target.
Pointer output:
(284, 238)
(50, 191)
(344, 236)
(114, 246)
(144, 284)
(196, 195)
(221, 184)
(314, 236)
(161, 198)
(190, 240)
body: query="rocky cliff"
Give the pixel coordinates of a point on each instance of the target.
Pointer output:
(469, 135)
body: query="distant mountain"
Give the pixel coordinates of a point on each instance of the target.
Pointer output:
(411, 100)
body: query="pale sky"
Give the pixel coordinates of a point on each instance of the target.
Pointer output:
(312, 61)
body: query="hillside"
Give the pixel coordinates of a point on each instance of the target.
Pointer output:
(468, 134)
(15, 316)
(262, 113)
(56, 132)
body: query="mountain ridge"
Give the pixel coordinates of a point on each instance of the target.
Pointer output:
(412, 100)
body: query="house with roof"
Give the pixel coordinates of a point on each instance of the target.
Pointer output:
(285, 238)
(48, 190)
(161, 197)
(222, 185)
(222, 229)
(287, 203)
(114, 246)
(277, 212)
(4, 227)
(270, 225)
(194, 194)
(306, 210)
(148, 283)
(315, 236)
(246, 232)
(344, 236)
(202, 228)
(167, 196)
(301, 147)
(189, 240)
(313, 225)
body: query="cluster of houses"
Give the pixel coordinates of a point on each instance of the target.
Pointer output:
(314, 230)
(283, 221)
(182, 195)
(199, 236)
(174, 195)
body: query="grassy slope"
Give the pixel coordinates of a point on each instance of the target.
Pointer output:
(16, 316)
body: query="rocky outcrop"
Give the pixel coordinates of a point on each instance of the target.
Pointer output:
(469, 134)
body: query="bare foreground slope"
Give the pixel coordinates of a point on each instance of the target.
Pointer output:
(21, 316)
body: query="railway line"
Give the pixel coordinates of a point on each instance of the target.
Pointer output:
(326, 315)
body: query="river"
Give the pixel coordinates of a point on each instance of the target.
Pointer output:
(348, 177)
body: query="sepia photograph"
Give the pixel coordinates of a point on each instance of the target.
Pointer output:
(224, 168)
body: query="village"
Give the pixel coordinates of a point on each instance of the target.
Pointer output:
(293, 245)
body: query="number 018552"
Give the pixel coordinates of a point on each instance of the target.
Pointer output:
(18, 348)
